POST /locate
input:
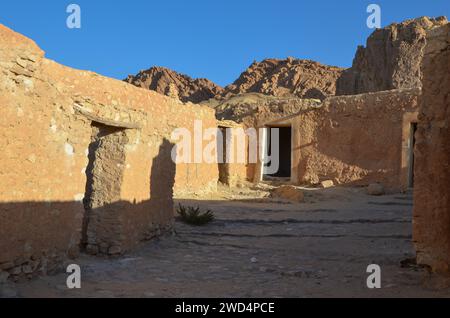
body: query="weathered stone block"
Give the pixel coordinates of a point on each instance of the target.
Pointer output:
(288, 192)
(327, 184)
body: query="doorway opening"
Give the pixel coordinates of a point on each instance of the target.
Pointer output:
(284, 153)
(224, 167)
(412, 143)
(104, 175)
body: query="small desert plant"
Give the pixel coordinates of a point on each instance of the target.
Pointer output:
(194, 216)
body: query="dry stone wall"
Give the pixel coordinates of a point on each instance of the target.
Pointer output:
(355, 140)
(431, 221)
(46, 127)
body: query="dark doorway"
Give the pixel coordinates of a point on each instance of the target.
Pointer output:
(412, 144)
(224, 167)
(285, 151)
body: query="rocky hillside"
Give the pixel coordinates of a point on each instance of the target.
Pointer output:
(289, 77)
(390, 60)
(281, 78)
(171, 83)
(251, 109)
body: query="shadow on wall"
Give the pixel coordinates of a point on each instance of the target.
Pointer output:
(120, 226)
(162, 175)
(36, 237)
(155, 216)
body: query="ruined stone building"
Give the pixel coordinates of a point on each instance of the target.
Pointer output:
(86, 161)
(398, 138)
(363, 135)
(351, 140)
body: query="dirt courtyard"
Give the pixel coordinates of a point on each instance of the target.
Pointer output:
(262, 247)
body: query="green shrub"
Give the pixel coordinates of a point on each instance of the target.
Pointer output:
(194, 216)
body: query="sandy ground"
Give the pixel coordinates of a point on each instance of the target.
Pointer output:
(261, 247)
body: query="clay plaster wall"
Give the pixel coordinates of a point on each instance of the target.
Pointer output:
(354, 140)
(431, 221)
(357, 140)
(253, 110)
(46, 129)
(235, 154)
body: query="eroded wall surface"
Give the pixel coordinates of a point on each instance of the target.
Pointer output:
(255, 111)
(235, 158)
(356, 140)
(431, 222)
(46, 129)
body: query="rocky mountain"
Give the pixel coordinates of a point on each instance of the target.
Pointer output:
(288, 77)
(171, 83)
(282, 78)
(391, 58)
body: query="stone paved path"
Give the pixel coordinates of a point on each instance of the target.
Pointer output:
(263, 248)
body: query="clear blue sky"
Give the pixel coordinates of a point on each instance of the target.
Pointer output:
(216, 39)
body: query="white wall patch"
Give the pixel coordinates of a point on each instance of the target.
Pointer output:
(68, 148)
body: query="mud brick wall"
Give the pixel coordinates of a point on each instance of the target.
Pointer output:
(48, 134)
(431, 221)
(196, 177)
(356, 140)
(235, 152)
(41, 181)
